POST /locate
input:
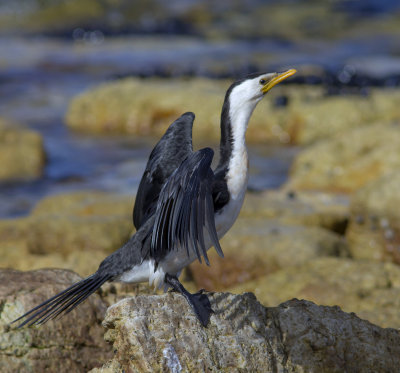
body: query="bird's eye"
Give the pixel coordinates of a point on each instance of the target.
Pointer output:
(263, 81)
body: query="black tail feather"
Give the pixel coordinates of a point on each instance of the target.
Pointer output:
(63, 302)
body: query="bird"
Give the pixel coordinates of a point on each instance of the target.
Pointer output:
(183, 207)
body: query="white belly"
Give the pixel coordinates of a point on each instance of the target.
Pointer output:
(178, 259)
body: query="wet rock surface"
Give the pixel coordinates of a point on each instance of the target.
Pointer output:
(73, 343)
(22, 155)
(160, 333)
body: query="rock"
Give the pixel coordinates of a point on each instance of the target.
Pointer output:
(22, 155)
(313, 117)
(147, 107)
(72, 231)
(367, 288)
(330, 211)
(123, 110)
(113, 292)
(348, 161)
(374, 229)
(15, 252)
(83, 221)
(161, 333)
(70, 344)
(256, 247)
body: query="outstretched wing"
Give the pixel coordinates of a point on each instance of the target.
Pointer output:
(167, 155)
(185, 209)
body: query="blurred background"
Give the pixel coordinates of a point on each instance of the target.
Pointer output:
(53, 50)
(88, 86)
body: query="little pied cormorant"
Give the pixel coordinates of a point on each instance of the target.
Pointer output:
(182, 207)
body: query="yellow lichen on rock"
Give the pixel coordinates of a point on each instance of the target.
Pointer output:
(147, 107)
(349, 160)
(22, 155)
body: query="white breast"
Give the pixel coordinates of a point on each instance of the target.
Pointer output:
(237, 179)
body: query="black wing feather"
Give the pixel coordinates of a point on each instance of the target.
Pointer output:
(167, 155)
(185, 209)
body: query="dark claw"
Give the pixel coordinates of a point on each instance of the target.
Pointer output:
(201, 306)
(199, 301)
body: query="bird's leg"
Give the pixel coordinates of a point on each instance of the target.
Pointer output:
(198, 301)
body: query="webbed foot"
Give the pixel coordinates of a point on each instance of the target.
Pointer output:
(201, 306)
(199, 301)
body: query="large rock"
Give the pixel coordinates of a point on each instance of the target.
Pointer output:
(161, 333)
(256, 247)
(144, 107)
(87, 221)
(326, 210)
(73, 343)
(72, 231)
(22, 155)
(370, 289)
(374, 229)
(149, 107)
(348, 161)
(312, 116)
(16, 253)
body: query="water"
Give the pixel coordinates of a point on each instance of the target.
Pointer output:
(39, 74)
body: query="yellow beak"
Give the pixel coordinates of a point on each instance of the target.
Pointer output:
(277, 78)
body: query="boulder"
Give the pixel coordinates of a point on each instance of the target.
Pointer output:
(326, 210)
(147, 107)
(22, 155)
(313, 116)
(81, 221)
(256, 247)
(73, 231)
(371, 289)
(348, 161)
(161, 333)
(73, 343)
(374, 229)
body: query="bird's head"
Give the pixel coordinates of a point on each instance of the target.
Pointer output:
(240, 100)
(253, 88)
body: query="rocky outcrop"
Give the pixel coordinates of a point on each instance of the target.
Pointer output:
(22, 155)
(348, 161)
(330, 211)
(371, 289)
(374, 229)
(80, 223)
(73, 230)
(147, 107)
(160, 333)
(256, 247)
(73, 343)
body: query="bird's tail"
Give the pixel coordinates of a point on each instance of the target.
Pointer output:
(63, 302)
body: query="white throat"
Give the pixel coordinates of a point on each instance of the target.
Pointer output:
(240, 111)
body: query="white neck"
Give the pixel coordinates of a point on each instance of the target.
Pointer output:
(237, 176)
